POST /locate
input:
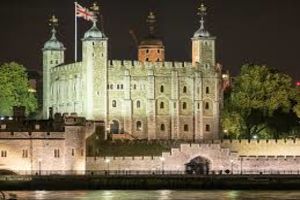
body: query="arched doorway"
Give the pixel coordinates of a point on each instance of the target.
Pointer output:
(198, 165)
(114, 127)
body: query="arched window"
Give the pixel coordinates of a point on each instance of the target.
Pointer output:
(111, 86)
(198, 105)
(207, 127)
(114, 103)
(184, 105)
(121, 86)
(162, 127)
(118, 86)
(161, 88)
(134, 86)
(186, 127)
(138, 104)
(138, 125)
(207, 90)
(162, 105)
(184, 89)
(206, 105)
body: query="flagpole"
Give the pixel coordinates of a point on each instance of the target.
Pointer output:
(75, 56)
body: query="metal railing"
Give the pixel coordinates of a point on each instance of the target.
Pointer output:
(150, 173)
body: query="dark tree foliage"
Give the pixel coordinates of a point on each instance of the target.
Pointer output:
(14, 89)
(262, 102)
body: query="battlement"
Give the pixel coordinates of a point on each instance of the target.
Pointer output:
(68, 67)
(129, 64)
(32, 135)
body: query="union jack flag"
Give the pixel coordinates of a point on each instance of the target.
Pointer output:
(84, 13)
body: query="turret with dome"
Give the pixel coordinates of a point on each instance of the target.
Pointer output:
(151, 48)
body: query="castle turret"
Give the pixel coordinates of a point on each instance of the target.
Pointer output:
(151, 48)
(203, 45)
(53, 55)
(94, 58)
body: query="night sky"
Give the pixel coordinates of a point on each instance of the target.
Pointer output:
(247, 31)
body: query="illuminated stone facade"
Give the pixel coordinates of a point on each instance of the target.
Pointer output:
(248, 157)
(40, 147)
(146, 100)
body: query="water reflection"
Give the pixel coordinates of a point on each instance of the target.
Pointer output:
(157, 195)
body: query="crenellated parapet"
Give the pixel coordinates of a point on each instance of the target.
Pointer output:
(72, 67)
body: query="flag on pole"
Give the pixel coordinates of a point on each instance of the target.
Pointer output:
(84, 13)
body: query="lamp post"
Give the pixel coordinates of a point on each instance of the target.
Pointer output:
(107, 161)
(231, 163)
(241, 165)
(40, 166)
(162, 159)
(107, 133)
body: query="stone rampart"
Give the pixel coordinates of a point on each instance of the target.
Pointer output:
(150, 65)
(67, 67)
(264, 156)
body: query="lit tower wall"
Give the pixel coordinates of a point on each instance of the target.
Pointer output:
(53, 55)
(94, 59)
(207, 82)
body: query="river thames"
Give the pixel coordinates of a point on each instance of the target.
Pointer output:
(157, 194)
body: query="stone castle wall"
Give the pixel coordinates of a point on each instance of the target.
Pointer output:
(281, 156)
(38, 151)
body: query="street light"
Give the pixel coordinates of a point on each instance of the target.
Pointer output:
(162, 159)
(40, 166)
(241, 165)
(107, 161)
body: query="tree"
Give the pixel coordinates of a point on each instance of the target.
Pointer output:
(260, 96)
(14, 89)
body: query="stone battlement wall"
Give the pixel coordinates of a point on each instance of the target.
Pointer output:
(31, 135)
(67, 67)
(254, 156)
(288, 147)
(150, 65)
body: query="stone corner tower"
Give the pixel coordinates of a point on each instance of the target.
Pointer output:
(94, 70)
(53, 55)
(151, 48)
(209, 97)
(203, 45)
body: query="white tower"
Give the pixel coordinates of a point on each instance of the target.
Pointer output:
(53, 55)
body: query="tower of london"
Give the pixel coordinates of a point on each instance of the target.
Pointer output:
(148, 98)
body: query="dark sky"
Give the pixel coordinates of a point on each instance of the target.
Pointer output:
(247, 31)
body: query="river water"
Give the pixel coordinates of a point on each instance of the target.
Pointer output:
(157, 195)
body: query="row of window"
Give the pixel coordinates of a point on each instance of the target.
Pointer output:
(162, 105)
(162, 88)
(163, 127)
(118, 86)
(147, 50)
(184, 89)
(25, 153)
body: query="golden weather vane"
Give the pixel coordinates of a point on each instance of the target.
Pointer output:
(151, 19)
(95, 8)
(202, 10)
(53, 21)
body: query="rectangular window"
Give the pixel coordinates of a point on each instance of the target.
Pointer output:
(73, 152)
(207, 127)
(56, 153)
(25, 153)
(3, 153)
